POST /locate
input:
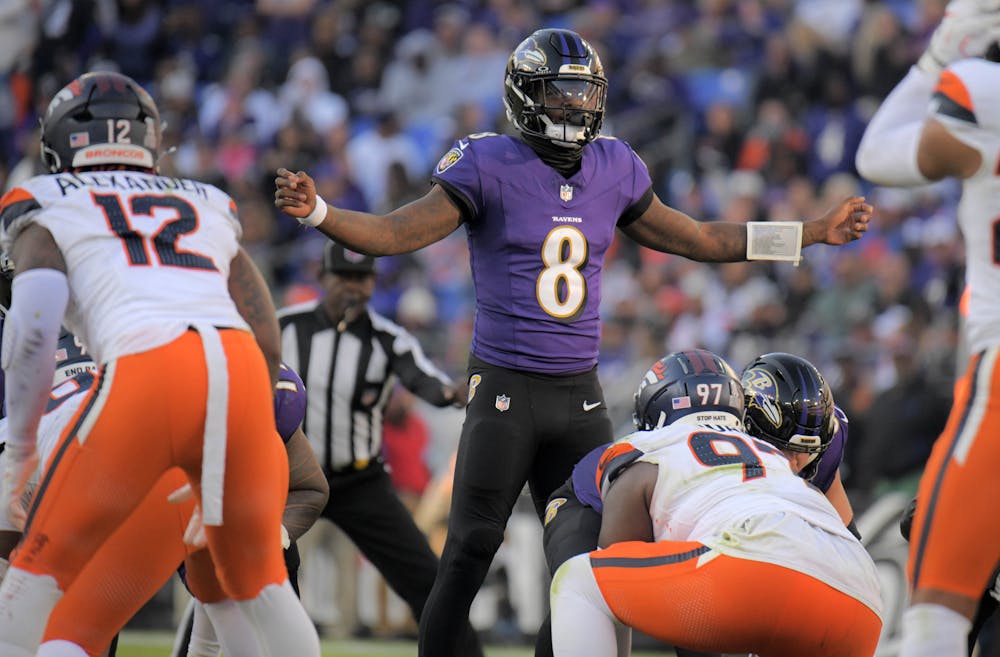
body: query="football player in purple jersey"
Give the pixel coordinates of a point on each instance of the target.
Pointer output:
(540, 210)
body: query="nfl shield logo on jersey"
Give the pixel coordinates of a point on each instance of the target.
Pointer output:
(503, 403)
(566, 192)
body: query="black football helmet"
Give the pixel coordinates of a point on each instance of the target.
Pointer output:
(788, 403)
(555, 88)
(101, 119)
(686, 382)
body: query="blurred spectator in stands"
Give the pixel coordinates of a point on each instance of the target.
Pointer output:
(239, 103)
(306, 94)
(847, 300)
(371, 153)
(285, 22)
(479, 69)
(778, 77)
(774, 144)
(834, 126)
(405, 438)
(137, 40)
(332, 40)
(408, 83)
(902, 422)
(882, 52)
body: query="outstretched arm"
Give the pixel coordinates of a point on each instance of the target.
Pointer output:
(413, 226)
(668, 230)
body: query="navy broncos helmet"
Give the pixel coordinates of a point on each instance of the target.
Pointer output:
(686, 382)
(101, 119)
(788, 403)
(555, 88)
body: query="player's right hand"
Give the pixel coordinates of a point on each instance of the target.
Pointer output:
(294, 193)
(968, 28)
(22, 462)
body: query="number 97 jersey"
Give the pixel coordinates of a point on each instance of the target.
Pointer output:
(147, 255)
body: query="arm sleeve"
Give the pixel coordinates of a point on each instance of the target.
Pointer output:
(640, 191)
(457, 172)
(887, 154)
(29, 344)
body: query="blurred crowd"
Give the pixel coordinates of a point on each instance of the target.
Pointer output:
(742, 109)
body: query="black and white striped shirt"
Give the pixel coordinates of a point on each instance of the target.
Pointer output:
(349, 376)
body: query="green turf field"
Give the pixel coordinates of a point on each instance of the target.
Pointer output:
(157, 644)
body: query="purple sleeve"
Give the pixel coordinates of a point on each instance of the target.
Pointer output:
(641, 182)
(458, 172)
(585, 479)
(829, 462)
(289, 402)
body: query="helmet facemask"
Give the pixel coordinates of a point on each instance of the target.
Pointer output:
(568, 111)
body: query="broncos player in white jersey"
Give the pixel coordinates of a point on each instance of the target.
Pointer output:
(943, 121)
(709, 538)
(148, 271)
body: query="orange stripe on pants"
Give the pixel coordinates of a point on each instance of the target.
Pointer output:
(730, 605)
(955, 539)
(150, 415)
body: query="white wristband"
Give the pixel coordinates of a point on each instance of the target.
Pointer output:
(774, 240)
(318, 214)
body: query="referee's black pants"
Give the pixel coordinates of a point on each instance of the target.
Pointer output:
(364, 505)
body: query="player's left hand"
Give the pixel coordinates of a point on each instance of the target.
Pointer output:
(846, 222)
(22, 461)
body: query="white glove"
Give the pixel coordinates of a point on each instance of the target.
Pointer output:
(286, 540)
(968, 28)
(22, 462)
(194, 535)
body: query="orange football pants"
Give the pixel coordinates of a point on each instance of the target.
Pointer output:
(114, 584)
(145, 415)
(955, 539)
(730, 605)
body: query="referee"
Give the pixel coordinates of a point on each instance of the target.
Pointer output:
(350, 357)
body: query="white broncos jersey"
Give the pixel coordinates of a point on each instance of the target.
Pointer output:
(148, 255)
(967, 101)
(738, 495)
(64, 402)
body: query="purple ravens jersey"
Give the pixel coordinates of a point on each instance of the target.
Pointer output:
(585, 478)
(831, 458)
(537, 242)
(289, 402)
